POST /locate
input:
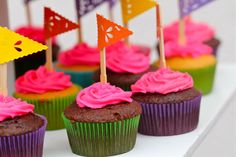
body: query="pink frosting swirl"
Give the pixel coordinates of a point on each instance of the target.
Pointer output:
(81, 54)
(195, 32)
(100, 95)
(41, 81)
(174, 49)
(163, 81)
(35, 33)
(122, 59)
(11, 107)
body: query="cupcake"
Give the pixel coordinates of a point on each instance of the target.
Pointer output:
(195, 32)
(124, 66)
(33, 61)
(21, 130)
(49, 91)
(196, 59)
(102, 122)
(80, 62)
(170, 103)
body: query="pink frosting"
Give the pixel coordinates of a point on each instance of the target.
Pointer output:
(11, 107)
(122, 59)
(195, 32)
(174, 49)
(100, 95)
(163, 81)
(35, 33)
(81, 54)
(41, 81)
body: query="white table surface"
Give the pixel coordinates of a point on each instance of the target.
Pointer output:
(213, 105)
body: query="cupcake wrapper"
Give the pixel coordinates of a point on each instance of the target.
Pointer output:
(124, 87)
(83, 79)
(52, 109)
(203, 78)
(26, 145)
(102, 139)
(169, 119)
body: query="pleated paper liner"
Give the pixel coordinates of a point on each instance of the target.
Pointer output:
(25, 145)
(170, 119)
(52, 109)
(102, 139)
(203, 78)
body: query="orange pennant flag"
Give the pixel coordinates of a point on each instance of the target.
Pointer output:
(133, 8)
(55, 24)
(110, 32)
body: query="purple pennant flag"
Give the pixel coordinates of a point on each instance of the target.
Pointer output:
(85, 6)
(112, 3)
(187, 6)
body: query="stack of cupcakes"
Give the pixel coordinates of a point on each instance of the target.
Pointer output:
(51, 92)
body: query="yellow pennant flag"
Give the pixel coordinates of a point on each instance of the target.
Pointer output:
(133, 8)
(14, 46)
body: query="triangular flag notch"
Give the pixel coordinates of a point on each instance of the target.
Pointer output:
(110, 32)
(55, 24)
(133, 8)
(14, 46)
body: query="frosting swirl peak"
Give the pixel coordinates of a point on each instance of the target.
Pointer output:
(41, 81)
(163, 81)
(11, 107)
(100, 95)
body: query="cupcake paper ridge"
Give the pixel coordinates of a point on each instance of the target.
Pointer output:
(124, 59)
(163, 81)
(41, 81)
(100, 95)
(11, 107)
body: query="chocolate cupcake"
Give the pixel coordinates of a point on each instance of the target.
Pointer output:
(21, 131)
(49, 91)
(124, 66)
(102, 122)
(170, 104)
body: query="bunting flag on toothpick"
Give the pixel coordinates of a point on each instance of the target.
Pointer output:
(133, 8)
(54, 24)
(108, 33)
(188, 6)
(14, 46)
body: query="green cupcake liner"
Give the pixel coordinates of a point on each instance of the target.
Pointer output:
(203, 78)
(52, 109)
(102, 139)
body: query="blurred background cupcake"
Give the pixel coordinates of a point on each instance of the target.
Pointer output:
(102, 122)
(124, 65)
(21, 130)
(80, 62)
(49, 91)
(170, 103)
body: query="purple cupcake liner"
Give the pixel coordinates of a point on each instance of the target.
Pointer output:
(25, 145)
(170, 119)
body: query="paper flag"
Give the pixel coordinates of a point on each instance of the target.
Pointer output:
(133, 8)
(55, 24)
(14, 46)
(85, 6)
(112, 3)
(110, 32)
(188, 6)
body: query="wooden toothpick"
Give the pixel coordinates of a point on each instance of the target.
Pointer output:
(80, 35)
(182, 36)
(3, 79)
(28, 14)
(49, 63)
(103, 75)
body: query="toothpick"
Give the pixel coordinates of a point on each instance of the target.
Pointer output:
(161, 37)
(103, 75)
(80, 35)
(110, 12)
(28, 14)
(182, 36)
(3, 79)
(49, 64)
(127, 38)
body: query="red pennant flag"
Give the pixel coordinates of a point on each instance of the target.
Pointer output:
(110, 32)
(55, 24)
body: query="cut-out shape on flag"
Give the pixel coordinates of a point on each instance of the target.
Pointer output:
(112, 3)
(85, 6)
(133, 8)
(55, 24)
(110, 32)
(14, 46)
(188, 6)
